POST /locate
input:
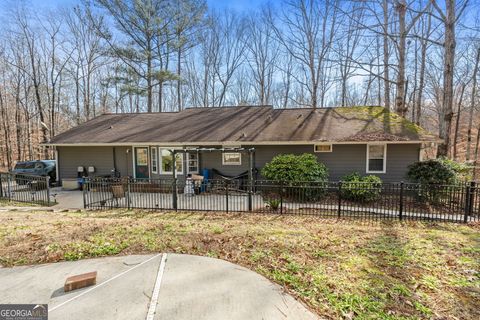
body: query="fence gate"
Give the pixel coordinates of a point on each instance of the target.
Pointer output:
(25, 188)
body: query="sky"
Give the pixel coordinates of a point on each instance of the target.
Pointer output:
(237, 5)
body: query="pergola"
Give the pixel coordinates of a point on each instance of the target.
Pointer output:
(249, 151)
(251, 164)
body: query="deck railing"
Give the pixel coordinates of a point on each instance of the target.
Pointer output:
(25, 188)
(399, 201)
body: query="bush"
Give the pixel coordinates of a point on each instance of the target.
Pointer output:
(301, 171)
(358, 188)
(432, 172)
(436, 172)
(295, 168)
(463, 172)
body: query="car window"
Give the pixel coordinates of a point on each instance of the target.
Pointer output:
(20, 165)
(29, 165)
(49, 163)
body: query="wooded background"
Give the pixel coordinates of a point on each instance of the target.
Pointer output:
(62, 66)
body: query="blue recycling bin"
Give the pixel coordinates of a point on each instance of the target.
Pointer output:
(206, 175)
(81, 182)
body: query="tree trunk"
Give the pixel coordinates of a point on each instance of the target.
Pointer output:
(179, 81)
(457, 123)
(421, 84)
(149, 76)
(472, 106)
(386, 65)
(475, 161)
(448, 64)
(400, 94)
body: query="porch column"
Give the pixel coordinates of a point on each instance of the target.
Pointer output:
(174, 184)
(251, 166)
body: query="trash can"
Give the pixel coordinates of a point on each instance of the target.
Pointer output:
(206, 175)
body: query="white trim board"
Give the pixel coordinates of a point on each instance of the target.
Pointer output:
(220, 143)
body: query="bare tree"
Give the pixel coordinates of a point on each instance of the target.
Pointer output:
(472, 105)
(87, 57)
(263, 53)
(404, 29)
(307, 35)
(449, 18)
(231, 46)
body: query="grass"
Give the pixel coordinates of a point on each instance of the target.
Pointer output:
(7, 203)
(340, 269)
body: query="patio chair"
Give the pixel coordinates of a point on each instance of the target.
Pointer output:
(118, 192)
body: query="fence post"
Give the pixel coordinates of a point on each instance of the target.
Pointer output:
(1, 185)
(9, 187)
(226, 195)
(250, 192)
(468, 200)
(85, 186)
(174, 193)
(281, 198)
(128, 194)
(400, 209)
(47, 178)
(339, 209)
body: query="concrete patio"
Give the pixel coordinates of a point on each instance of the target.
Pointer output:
(162, 286)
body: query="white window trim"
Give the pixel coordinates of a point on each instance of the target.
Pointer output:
(188, 162)
(322, 144)
(154, 158)
(384, 157)
(231, 164)
(178, 172)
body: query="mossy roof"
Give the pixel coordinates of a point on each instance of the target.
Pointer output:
(245, 124)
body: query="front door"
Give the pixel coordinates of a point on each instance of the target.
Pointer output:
(141, 163)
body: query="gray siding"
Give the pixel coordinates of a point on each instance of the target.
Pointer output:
(70, 158)
(213, 160)
(124, 161)
(343, 160)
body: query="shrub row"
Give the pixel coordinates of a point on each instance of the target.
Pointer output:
(292, 169)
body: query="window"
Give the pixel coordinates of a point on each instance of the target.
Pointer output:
(376, 158)
(154, 159)
(322, 148)
(38, 166)
(142, 156)
(166, 158)
(232, 158)
(192, 162)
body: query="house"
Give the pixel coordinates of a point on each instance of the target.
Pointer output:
(369, 140)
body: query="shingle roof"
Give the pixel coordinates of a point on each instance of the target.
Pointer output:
(247, 124)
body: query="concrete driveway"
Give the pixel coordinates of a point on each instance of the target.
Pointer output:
(163, 286)
(67, 199)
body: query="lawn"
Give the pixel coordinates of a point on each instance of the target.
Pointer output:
(341, 269)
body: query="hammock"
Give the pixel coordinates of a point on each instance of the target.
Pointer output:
(243, 175)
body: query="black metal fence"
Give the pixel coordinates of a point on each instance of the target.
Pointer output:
(400, 201)
(25, 188)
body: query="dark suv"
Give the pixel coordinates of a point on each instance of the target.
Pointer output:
(37, 168)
